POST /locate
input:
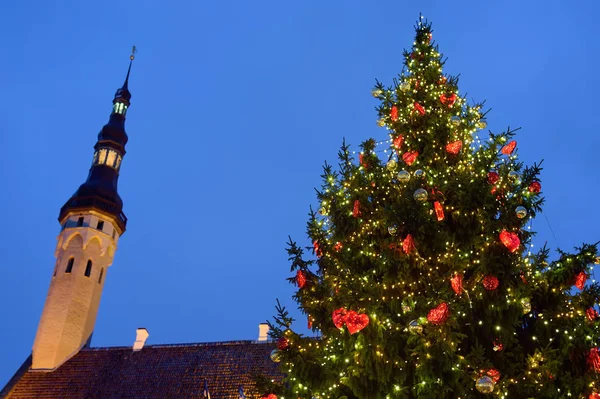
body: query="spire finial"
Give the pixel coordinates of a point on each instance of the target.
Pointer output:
(133, 51)
(131, 58)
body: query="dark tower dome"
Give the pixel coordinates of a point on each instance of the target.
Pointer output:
(99, 192)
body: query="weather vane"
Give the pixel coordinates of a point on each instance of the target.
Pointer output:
(133, 51)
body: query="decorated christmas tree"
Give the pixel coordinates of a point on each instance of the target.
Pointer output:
(420, 280)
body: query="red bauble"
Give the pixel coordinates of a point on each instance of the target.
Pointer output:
(580, 280)
(398, 141)
(419, 108)
(409, 157)
(510, 240)
(283, 343)
(356, 210)
(310, 321)
(454, 147)
(448, 99)
(535, 187)
(594, 395)
(356, 321)
(270, 396)
(439, 211)
(339, 316)
(493, 177)
(490, 283)
(408, 245)
(439, 314)
(457, 283)
(593, 360)
(591, 314)
(509, 148)
(394, 113)
(338, 246)
(494, 375)
(300, 279)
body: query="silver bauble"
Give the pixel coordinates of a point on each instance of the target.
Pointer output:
(420, 195)
(404, 86)
(393, 229)
(521, 212)
(415, 328)
(419, 174)
(403, 176)
(381, 122)
(514, 177)
(485, 384)
(376, 92)
(275, 355)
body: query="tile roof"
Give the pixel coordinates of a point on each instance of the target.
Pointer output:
(155, 372)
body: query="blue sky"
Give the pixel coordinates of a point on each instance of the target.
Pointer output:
(235, 107)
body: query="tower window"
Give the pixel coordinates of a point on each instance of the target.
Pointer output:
(70, 265)
(108, 157)
(100, 225)
(80, 222)
(119, 108)
(88, 268)
(101, 274)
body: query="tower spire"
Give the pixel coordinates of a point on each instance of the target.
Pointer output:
(92, 222)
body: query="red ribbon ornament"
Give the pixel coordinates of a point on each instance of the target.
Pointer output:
(394, 113)
(338, 246)
(408, 245)
(580, 280)
(510, 240)
(439, 314)
(356, 210)
(593, 360)
(356, 321)
(300, 279)
(454, 147)
(457, 283)
(409, 157)
(398, 141)
(448, 100)
(419, 108)
(270, 396)
(317, 248)
(439, 211)
(494, 375)
(591, 314)
(509, 148)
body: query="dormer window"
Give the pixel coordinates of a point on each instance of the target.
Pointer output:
(108, 157)
(119, 108)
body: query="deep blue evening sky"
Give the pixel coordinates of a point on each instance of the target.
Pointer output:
(236, 104)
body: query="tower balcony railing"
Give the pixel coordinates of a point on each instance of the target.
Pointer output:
(94, 202)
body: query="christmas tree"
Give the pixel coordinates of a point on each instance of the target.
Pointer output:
(420, 280)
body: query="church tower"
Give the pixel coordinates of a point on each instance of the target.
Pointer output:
(92, 221)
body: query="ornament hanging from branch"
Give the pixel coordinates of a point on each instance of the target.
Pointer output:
(490, 283)
(338, 246)
(419, 108)
(283, 343)
(439, 314)
(397, 143)
(448, 99)
(510, 240)
(457, 283)
(439, 211)
(409, 157)
(317, 249)
(535, 187)
(356, 321)
(408, 245)
(580, 280)
(454, 147)
(394, 113)
(338, 316)
(498, 346)
(493, 177)
(593, 360)
(591, 314)
(494, 374)
(509, 148)
(356, 209)
(300, 279)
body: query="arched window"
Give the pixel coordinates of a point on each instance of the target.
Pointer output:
(70, 265)
(88, 268)
(101, 274)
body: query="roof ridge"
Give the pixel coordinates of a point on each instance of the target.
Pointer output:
(189, 344)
